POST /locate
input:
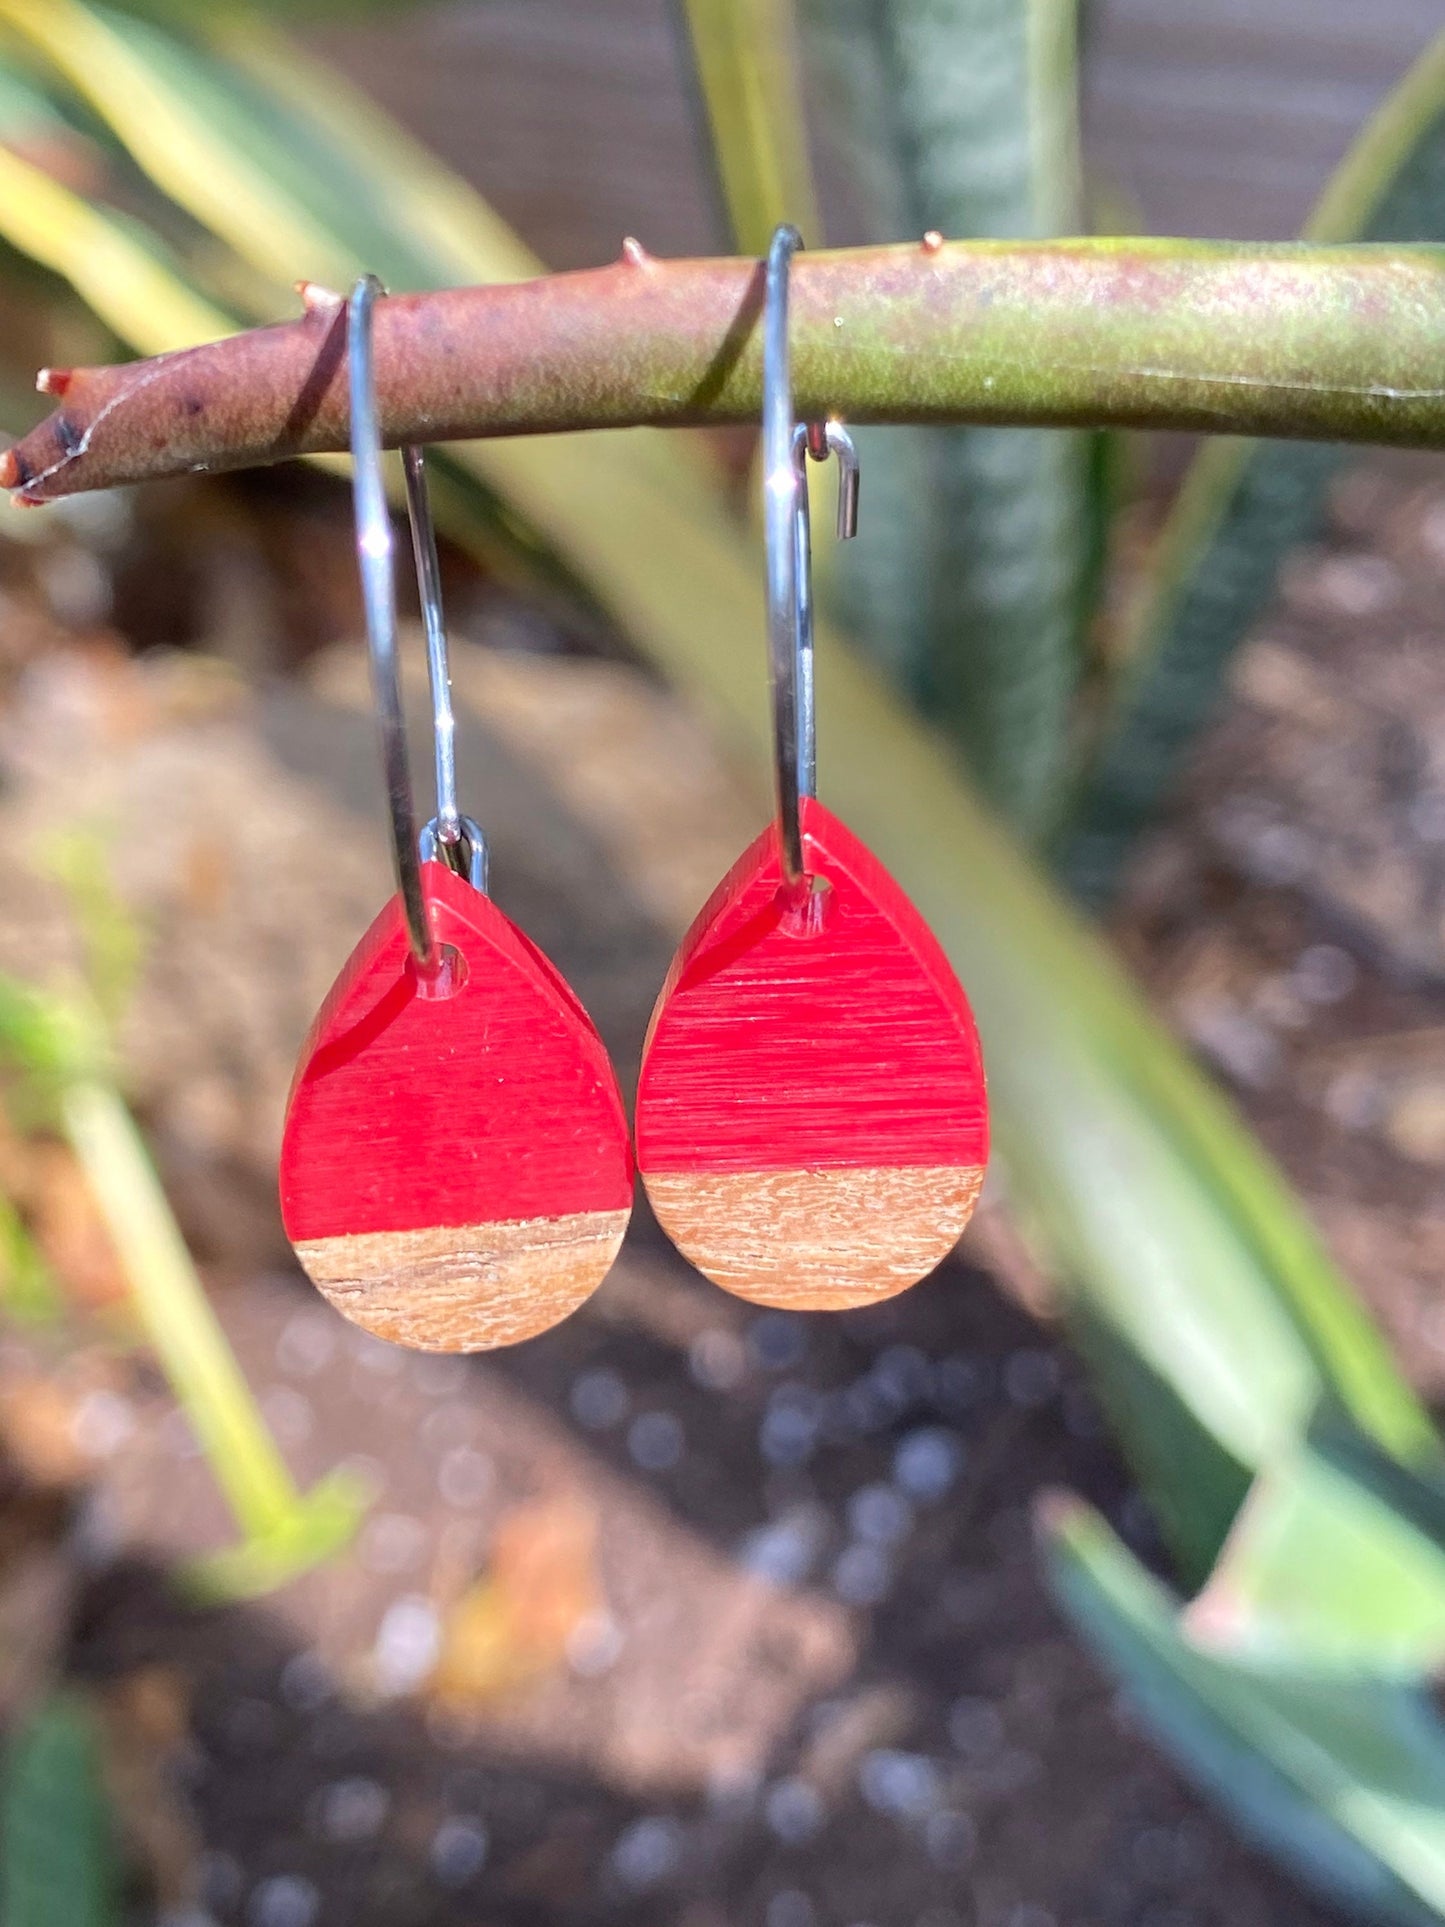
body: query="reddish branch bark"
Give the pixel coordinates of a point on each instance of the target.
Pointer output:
(1321, 343)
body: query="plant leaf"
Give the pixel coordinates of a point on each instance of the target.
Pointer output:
(117, 266)
(42, 1038)
(1342, 1777)
(79, 860)
(58, 1865)
(1184, 1258)
(745, 56)
(189, 13)
(1243, 505)
(28, 1292)
(192, 129)
(966, 577)
(1336, 1561)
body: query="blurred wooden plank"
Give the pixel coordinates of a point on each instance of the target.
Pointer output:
(1225, 117)
(574, 116)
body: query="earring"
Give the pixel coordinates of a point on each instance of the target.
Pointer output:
(455, 1170)
(812, 1123)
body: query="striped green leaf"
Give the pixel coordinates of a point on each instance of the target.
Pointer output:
(1341, 1775)
(745, 57)
(1243, 506)
(1336, 1561)
(58, 1863)
(966, 577)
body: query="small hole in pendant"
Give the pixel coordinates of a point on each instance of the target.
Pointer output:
(804, 905)
(445, 978)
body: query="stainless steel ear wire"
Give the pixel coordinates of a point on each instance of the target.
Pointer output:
(787, 446)
(455, 839)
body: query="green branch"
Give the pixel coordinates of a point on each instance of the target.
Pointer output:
(1338, 344)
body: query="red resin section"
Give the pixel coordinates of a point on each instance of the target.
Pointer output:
(411, 1110)
(808, 1033)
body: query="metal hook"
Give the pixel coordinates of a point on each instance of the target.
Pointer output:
(453, 838)
(787, 446)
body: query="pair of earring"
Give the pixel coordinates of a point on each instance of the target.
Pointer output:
(811, 1128)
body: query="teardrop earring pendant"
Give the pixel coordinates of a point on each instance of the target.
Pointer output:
(456, 1172)
(812, 1120)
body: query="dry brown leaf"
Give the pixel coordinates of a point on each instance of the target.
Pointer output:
(66, 1224)
(37, 1428)
(17, 1162)
(512, 1626)
(208, 872)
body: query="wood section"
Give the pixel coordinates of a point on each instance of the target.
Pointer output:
(804, 1031)
(466, 1288)
(816, 1240)
(455, 1111)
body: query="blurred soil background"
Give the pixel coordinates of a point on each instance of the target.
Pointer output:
(684, 1613)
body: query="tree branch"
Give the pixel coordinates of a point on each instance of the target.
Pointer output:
(1316, 343)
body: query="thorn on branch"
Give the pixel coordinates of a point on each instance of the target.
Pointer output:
(1031, 334)
(316, 299)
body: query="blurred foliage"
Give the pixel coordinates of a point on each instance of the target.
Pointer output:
(187, 13)
(111, 939)
(744, 53)
(1338, 1771)
(28, 1293)
(1242, 506)
(967, 575)
(56, 1045)
(181, 176)
(59, 1865)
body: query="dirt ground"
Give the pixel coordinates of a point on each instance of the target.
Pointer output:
(682, 1613)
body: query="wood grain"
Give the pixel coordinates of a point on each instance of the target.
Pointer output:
(801, 1031)
(466, 1288)
(438, 1125)
(816, 1240)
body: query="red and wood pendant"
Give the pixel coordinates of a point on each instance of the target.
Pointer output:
(455, 1171)
(812, 1121)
